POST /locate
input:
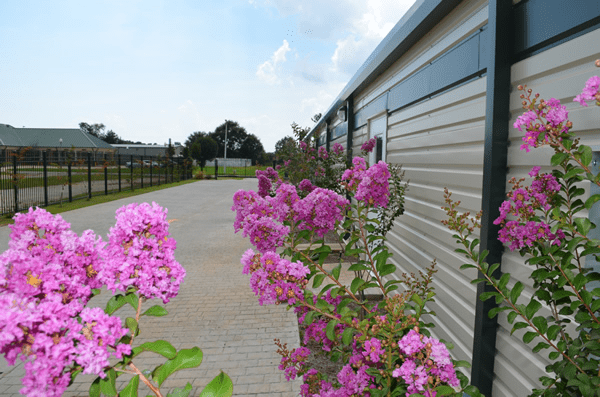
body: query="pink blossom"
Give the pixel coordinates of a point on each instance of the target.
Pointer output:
(320, 210)
(369, 145)
(373, 189)
(590, 91)
(373, 350)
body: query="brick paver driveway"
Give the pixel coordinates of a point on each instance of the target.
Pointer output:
(215, 309)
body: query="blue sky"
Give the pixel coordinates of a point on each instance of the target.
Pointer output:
(152, 70)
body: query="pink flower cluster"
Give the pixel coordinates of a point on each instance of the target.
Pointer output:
(46, 279)
(369, 145)
(337, 149)
(523, 203)
(141, 255)
(268, 181)
(556, 116)
(426, 364)
(320, 210)
(261, 219)
(323, 153)
(294, 363)
(306, 186)
(370, 185)
(590, 91)
(273, 279)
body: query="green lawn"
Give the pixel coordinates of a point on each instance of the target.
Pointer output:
(81, 203)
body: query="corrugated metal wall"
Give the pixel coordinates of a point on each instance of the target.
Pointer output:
(439, 143)
(560, 73)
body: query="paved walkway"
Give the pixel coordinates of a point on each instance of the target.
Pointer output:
(215, 309)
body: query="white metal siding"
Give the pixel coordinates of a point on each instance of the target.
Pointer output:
(517, 368)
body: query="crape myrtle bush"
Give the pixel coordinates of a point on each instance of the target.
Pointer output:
(48, 276)
(386, 348)
(540, 222)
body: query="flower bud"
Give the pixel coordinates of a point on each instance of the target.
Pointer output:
(597, 63)
(520, 87)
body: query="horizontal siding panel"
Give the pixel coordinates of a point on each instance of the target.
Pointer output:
(463, 21)
(445, 177)
(463, 133)
(468, 92)
(436, 195)
(471, 155)
(581, 52)
(433, 119)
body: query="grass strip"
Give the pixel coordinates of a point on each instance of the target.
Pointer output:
(81, 203)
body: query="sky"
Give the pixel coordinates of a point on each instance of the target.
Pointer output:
(151, 70)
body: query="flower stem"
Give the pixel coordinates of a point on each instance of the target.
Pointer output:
(146, 380)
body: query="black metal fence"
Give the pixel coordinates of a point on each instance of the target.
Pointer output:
(27, 181)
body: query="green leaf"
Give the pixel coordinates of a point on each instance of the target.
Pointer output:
(114, 303)
(516, 292)
(356, 267)
(330, 330)
(586, 154)
(590, 201)
(186, 358)
(553, 331)
(156, 311)
(347, 336)
(558, 158)
(318, 280)
(387, 269)
(540, 346)
(356, 283)
(518, 326)
(503, 281)
(96, 291)
(495, 310)
(131, 324)
(540, 323)
(94, 390)
(132, 299)
(336, 271)
(220, 386)
(532, 308)
(444, 391)
(185, 392)
(583, 225)
(528, 337)
(511, 317)
(131, 390)
(107, 385)
(161, 347)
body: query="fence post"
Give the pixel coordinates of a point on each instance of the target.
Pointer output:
(142, 172)
(131, 170)
(105, 165)
(119, 167)
(16, 182)
(216, 168)
(70, 182)
(89, 158)
(45, 165)
(151, 166)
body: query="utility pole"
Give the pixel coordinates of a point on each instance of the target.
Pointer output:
(225, 162)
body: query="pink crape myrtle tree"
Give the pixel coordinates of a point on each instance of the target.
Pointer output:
(545, 223)
(48, 276)
(386, 348)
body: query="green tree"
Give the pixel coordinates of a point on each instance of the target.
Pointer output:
(200, 147)
(284, 143)
(252, 148)
(96, 130)
(236, 135)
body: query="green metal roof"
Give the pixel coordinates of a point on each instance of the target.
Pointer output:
(49, 137)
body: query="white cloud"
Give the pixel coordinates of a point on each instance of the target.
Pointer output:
(367, 31)
(267, 71)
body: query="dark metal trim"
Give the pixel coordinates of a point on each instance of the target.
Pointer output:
(494, 182)
(542, 24)
(350, 134)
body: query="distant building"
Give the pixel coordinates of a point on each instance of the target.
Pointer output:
(58, 143)
(147, 150)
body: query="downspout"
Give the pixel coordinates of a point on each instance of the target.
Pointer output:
(495, 169)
